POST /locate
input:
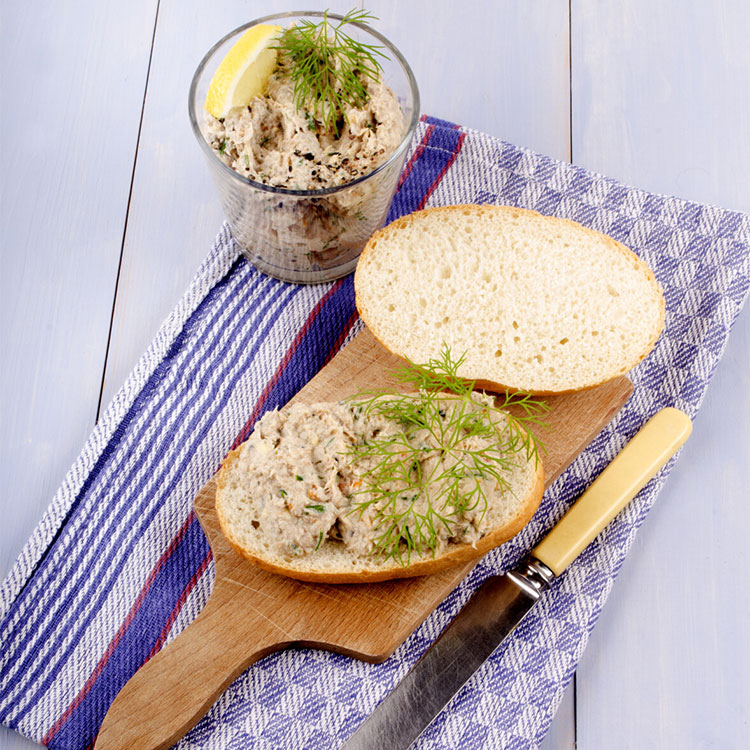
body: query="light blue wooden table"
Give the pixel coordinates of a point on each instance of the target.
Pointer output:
(107, 210)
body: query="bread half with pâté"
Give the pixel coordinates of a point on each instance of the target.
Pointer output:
(357, 492)
(536, 303)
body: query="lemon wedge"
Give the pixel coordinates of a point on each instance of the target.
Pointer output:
(245, 70)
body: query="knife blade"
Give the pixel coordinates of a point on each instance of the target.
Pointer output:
(500, 604)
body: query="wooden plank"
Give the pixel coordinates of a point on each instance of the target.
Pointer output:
(562, 731)
(659, 96)
(499, 67)
(659, 100)
(73, 80)
(70, 125)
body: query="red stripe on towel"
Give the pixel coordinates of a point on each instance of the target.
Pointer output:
(431, 189)
(415, 156)
(180, 603)
(340, 340)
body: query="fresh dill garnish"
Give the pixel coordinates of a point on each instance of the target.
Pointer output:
(328, 67)
(317, 508)
(435, 468)
(222, 147)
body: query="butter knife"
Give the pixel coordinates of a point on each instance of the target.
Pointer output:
(503, 601)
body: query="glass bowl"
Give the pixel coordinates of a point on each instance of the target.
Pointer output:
(306, 236)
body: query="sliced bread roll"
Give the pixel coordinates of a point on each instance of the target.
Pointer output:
(296, 501)
(535, 303)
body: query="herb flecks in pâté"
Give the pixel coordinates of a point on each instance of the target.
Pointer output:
(445, 408)
(328, 67)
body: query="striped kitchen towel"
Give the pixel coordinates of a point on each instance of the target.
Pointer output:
(119, 564)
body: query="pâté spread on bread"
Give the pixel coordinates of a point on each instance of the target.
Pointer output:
(384, 487)
(302, 465)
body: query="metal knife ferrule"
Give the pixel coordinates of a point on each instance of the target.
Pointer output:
(532, 576)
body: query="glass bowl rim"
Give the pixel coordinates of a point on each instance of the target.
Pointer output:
(287, 191)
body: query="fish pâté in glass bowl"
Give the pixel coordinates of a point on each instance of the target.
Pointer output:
(305, 119)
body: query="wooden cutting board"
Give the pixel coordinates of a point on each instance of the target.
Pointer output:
(252, 613)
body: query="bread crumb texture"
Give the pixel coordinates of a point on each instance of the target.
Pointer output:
(535, 303)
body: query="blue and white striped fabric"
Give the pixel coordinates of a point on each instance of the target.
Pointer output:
(119, 565)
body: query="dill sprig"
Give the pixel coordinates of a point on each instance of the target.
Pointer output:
(430, 472)
(328, 67)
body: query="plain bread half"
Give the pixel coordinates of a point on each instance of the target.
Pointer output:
(534, 303)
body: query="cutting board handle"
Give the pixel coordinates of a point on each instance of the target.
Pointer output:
(169, 694)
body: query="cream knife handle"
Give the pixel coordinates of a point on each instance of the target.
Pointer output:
(657, 441)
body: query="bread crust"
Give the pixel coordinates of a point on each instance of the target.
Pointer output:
(458, 553)
(467, 208)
